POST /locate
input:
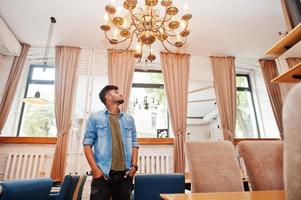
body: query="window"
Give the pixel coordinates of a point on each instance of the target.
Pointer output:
(38, 120)
(246, 119)
(148, 105)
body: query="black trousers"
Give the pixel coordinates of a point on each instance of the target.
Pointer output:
(116, 187)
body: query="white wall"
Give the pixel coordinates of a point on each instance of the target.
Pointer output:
(5, 66)
(197, 132)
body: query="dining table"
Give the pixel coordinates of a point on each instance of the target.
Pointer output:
(252, 195)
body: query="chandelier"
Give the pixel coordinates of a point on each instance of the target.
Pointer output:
(147, 104)
(145, 25)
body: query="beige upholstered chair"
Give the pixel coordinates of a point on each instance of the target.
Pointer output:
(292, 143)
(213, 167)
(264, 163)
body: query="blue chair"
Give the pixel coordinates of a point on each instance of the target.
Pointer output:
(80, 187)
(29, 189)
(67, 189)
(150, 186)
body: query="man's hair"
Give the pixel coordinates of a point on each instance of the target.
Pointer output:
(102, 94)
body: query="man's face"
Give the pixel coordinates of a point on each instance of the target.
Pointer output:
(115, 97)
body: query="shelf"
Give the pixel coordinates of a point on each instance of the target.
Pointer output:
(293, 75)
(292, 38)
(27, 140)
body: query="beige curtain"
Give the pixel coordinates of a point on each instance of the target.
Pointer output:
(224, 76)
(11, 84)
(292, 61)
(121, 71)
(66, 60)
(1, 60)
(269, 71)
(175, 68)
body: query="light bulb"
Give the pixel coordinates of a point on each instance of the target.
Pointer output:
(183, 24)
(125, 23)
(118, 11)
(106, 17)
(115, 34)
(186, 8)
(178, 37)
(138, 47)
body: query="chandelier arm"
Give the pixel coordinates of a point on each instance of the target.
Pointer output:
(166, 47)
(171, 43)
(152, 14)
(130, 43)
(166, 29)
(186, 26)
(137, 17)
(185, 40)
(121, 41)
(140, 11)
(118, 42)
(163, 20)
(171, 35)
(137, 24)
(107, 36)
(158, 12)
(174, 44)
(134, 18)
(119, 27)
(168, 19)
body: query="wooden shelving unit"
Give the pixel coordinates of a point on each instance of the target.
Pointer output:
(292, 38)
(293, 75)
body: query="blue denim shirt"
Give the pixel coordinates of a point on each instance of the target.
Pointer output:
(98, 135)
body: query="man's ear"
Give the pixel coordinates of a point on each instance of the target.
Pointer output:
(108, 97)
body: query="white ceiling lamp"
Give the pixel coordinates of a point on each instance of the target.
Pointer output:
(50, 32)
(36, 100)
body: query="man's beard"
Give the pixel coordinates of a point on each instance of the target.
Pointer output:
(120, 101)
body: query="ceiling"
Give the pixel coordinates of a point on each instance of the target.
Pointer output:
(234, 27)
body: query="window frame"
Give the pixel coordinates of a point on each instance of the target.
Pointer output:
(153, 86)
(32, 81)
(249, 89)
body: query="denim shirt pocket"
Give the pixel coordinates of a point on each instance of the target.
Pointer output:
(128, 130)
(102, 129)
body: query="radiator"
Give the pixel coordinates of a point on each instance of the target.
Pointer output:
(154, 164)
(24, 166)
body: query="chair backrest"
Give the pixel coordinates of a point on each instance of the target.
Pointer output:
(292, 140)
(27, 189)
(71, 189)
(213, 167)
(264, 163)
(150, 186)
(65, 187)
(79, 188)
(68, 187)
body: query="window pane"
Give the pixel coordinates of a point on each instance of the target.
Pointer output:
(149, 109)
(246, 124)
(242, 81)
(40, 73)
(147, 77)
(39, 120)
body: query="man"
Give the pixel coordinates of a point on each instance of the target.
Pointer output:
(113, 135)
